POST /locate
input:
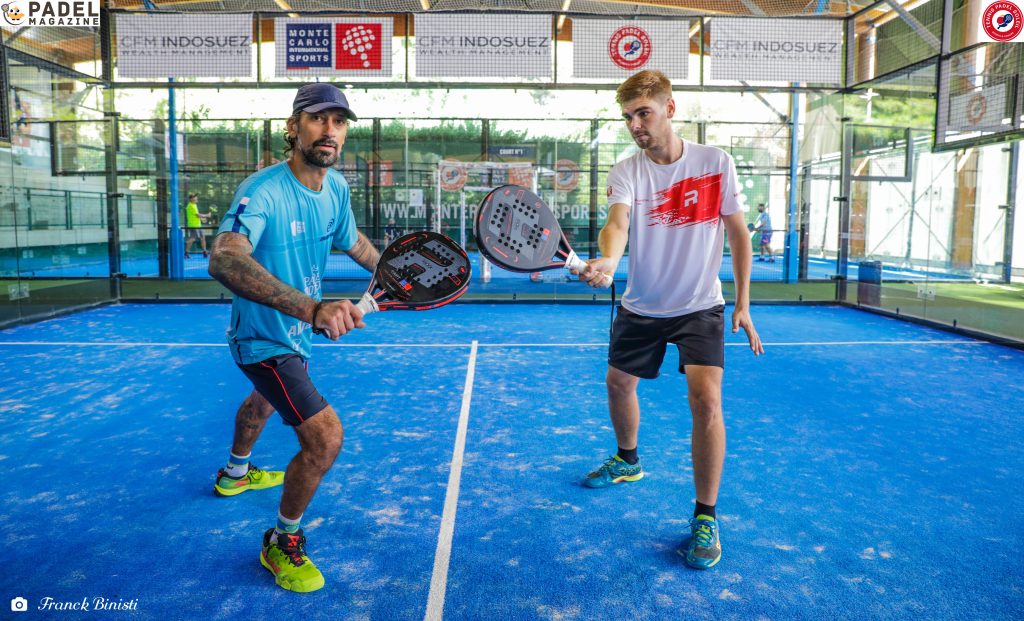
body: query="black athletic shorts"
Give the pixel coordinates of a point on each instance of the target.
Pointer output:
(284, 382)
(638, 343)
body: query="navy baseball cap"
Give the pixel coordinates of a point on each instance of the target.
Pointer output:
(321, 96)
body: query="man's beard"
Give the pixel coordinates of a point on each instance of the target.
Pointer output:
(315, 157)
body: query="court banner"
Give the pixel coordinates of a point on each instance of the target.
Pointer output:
(618, 48)
(328, 46)
(981, 109)
(483, 46)
(777, 50)
(184, 46)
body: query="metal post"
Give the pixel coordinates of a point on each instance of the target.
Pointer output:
(594, 163)
(377, 181)
(1011, 208)
(845, 186)
(160, 204)
(791, 254)
(113, 127)
(177, 243)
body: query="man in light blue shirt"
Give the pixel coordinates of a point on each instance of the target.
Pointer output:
(271, 252)
(764, 224)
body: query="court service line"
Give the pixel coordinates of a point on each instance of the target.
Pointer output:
(439, 578)
(461, 345)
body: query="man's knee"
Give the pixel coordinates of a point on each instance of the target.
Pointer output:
(620, 383)
(322, 437)
(259, 405)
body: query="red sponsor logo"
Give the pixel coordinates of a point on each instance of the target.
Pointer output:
(567, 175)
(688, 202)
(453, 177)
(358, 46)
(630, 47)
(1002, 20)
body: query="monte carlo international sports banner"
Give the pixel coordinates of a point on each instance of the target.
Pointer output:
(184, 46)
(483, 46)
(331, 46)
(618, 48)
(777, 50)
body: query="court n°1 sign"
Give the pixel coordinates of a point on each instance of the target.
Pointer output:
(314, 46)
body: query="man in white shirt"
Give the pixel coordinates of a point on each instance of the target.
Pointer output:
(671, 202)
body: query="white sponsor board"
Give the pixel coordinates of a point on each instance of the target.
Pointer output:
(184, 46)
(617, 48)
(777, 50)
(496, 46)
(331, 46)
(983, 109)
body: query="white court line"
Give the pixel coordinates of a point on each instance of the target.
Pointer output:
(460, 345)
(439, 579)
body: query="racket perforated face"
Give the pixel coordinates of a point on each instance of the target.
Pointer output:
(515, 229)
(419, 271)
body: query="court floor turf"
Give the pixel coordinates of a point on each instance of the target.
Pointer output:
(870, 472)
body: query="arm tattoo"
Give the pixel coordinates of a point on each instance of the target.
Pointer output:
(363, 253)
(232, 264)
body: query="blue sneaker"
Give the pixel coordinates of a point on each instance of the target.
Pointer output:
(705, 549)
(614, 470)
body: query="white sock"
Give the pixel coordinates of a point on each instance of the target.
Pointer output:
(238, 465)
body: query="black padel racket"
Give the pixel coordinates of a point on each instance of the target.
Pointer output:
(418, 271)
(516, 230)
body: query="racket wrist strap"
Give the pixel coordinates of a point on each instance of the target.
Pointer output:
(312, 321)
(367, 304)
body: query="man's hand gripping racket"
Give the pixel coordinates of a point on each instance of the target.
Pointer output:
(418, 271)
(516, 230)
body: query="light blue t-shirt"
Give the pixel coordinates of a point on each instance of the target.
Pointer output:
(291, 229)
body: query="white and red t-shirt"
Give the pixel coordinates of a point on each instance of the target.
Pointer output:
(676, 234)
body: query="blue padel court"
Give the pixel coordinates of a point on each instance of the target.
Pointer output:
(873, 471)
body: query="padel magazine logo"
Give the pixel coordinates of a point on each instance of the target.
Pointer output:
(81, 13)
(1002, 21)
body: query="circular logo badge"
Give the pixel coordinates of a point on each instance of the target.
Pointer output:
(453, 177)
(630, 47)
(1002, 20)
(976, 109)
(567, 175)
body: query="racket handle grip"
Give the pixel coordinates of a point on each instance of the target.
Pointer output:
(574, 262)
(367, 304)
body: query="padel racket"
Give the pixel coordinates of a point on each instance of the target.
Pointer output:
(516, 230)
(418, 271)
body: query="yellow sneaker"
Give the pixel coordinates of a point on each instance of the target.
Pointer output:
(254, 479)
(286, 559)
